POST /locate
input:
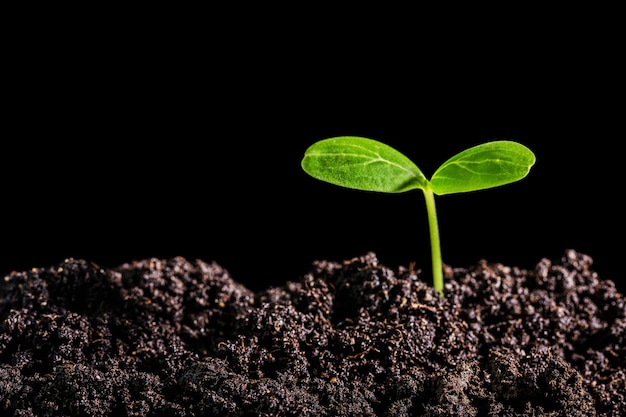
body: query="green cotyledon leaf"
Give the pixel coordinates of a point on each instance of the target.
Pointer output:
(484, 166)
(363, 164)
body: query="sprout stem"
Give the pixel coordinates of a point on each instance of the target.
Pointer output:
(435, 244)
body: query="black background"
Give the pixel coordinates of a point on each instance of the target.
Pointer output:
(147, 145)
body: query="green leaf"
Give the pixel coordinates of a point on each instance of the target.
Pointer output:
(484, 166)
(363, 164)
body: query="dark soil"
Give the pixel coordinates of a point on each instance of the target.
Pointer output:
(178, 338)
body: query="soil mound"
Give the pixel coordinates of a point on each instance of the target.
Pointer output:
(353, 338)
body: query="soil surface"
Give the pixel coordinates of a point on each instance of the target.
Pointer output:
(354, 338)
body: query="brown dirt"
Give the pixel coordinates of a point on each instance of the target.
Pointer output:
(178, 338)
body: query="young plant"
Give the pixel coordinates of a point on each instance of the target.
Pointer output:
(369, 165)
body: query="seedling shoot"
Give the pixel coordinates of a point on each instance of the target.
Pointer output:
(369, 165)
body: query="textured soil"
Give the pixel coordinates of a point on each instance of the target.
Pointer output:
(354, 338)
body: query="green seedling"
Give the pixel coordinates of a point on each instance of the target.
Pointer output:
(370, 165)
